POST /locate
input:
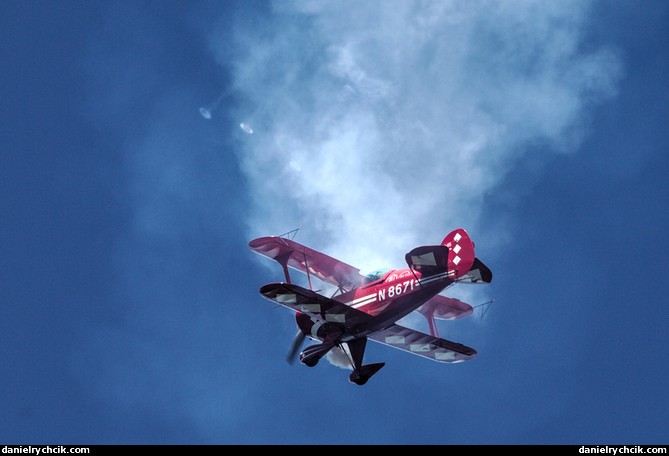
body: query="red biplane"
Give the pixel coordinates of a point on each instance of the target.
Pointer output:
(367, 307)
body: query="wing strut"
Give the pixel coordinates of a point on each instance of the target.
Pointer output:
(434, 332)
(415, 277)
(293, 232)
(306, 268)
(482, 309)
(283, 261)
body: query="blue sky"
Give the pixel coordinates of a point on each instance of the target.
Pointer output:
(130, 301)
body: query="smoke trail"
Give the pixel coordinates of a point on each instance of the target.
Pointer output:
(385, 129)
(208, 111)
(379, 131)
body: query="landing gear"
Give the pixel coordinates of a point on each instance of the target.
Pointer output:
(354, 349)
(360, 373)
(358, 378)
(310, 362)
(311, 355)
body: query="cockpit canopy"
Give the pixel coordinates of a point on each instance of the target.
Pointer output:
(374, 276)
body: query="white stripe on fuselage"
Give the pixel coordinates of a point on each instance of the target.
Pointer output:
(356, 303)
(431, 279)
(363, 301)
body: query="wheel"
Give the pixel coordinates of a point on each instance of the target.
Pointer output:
(358, 379)
(311, 362)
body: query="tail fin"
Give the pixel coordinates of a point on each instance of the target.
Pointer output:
(461, 251)
(455, 254)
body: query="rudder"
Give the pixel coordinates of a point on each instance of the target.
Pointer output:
(461, 254)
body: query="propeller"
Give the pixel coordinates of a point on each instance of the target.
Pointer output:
(295, 346)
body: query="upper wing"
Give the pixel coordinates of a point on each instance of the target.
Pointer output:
(315, 305)
(304, 259)
(423, 345)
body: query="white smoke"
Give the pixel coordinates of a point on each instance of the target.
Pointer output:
(379, 126)
(383, 125)
(338, 357)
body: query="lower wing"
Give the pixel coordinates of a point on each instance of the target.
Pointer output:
(424, 345)
(313, 304)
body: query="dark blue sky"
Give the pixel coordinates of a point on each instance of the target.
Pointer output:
(129, 297)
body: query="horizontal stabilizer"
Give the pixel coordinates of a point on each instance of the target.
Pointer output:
(479, 273)
(428, 259)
